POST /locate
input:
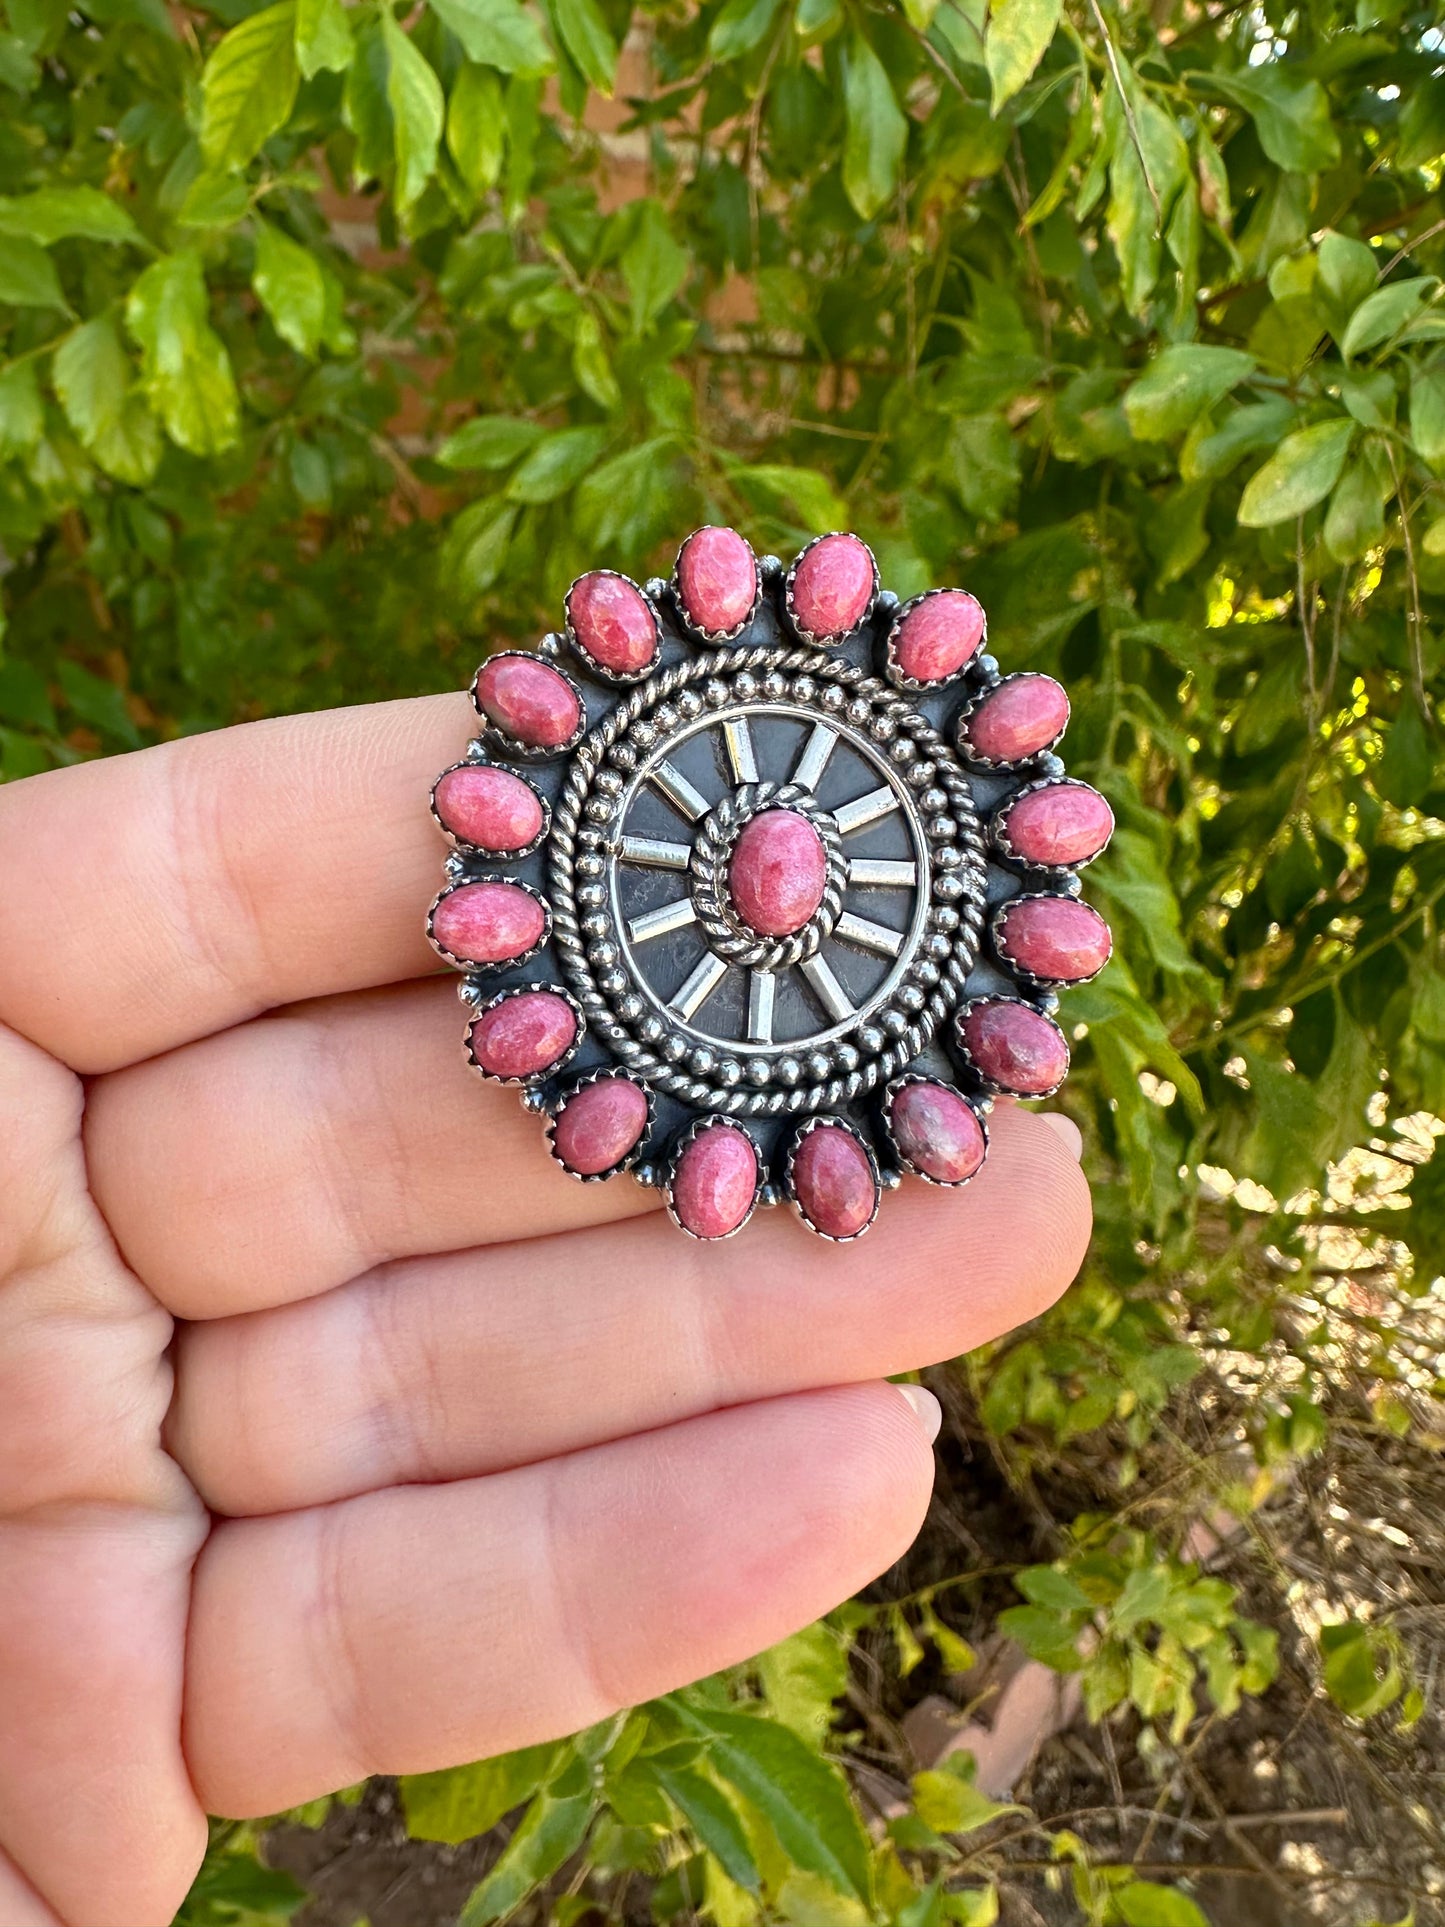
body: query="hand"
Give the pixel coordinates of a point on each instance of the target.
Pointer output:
(339, 1434)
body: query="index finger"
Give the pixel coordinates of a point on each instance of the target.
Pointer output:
(155, 898)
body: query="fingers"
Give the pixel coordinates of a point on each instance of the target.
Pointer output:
(410, 1629)
(222, 875)
(285, 1156)
(446, 1368)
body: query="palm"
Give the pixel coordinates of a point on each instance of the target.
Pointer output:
(404, 1489)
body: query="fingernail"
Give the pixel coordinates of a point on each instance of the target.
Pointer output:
(925, 1408)
(1065, 1128)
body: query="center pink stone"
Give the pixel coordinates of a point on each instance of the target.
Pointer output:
(778, 873)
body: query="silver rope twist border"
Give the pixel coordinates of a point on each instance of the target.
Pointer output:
(712, 851)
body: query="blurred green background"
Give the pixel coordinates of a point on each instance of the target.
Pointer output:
(336, 338)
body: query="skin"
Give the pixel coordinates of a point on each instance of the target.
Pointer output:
(339, 1434)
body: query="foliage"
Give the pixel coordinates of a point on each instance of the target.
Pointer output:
(333, 340)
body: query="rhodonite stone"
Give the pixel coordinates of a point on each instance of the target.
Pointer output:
(599, 1124)
(613, 622)
(833, 584)
(716, 1181)
(489, 808)
(1015, 1046)
(488, 923)
(1063, 823)
(938, 636)
(717, 580)
(1057, 940)
(528, 700)
(937, 1131)
(525, 1034)
(833, 1182)
(778, 872)
(1021, 716)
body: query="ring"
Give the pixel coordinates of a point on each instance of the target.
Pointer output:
(763, 883)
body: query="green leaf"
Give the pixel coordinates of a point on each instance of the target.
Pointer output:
(1179, 385)
(1302, 472)
(714, 1819)
(1355, 520)
(418, 111)
(214, 201)
(27, 275)
(550, 1832)
(1361, 1673)
(97, 702)
(475, 126)
(1385, 313)
(1016, 40)
(464, 1801)
(802, 1678)
(591, 363)
(1291, 115)
(1347, 271)
(806, 492)
(1143, 1596)
(1210, 451)
(1044, 1635)
(653, 266)
(54, 214)
(489, 441)
(1422, 122)
(324, 40)
(877, 131)
(498, 33)
(94, 380)
(186, 368)
(476, 547)
(1427, 416)
(22, 412)
(948, 1801)
(1407, 769)
(585, 34)
(557, 463)
(741, 26)
(1058, 1591)
(290, 287)
(248, 86)
(801, 1796)
(1143, 1904)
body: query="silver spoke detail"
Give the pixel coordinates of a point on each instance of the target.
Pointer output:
(656, 854)
(739, 740)
(704, 980)
(831, 994)
(762, 990)
(814, 759)
(657, 923)
(679, 792)
(868, 935)
(864, 810)
(883, 872)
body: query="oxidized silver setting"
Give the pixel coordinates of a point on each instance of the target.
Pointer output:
(672, 989)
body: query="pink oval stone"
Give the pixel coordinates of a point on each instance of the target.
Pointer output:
(778, 872)
(599, 1124)
(938, 1132)
(490, 808)
(524, 1034)
(833, 1182)
(833, 583)
(1022, 716)
(1056, 939)
(939, 635)
(488, 923)
(717, 579)
(1065, 823)
(612, 621)
(1016, 1047)
(715, 1181)
(529, 700)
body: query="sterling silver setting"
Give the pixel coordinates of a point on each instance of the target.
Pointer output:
(667, 986)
